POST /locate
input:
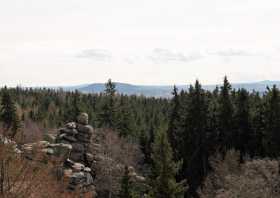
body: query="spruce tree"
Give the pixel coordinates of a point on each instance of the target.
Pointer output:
(256, 146)
(108, 110)
(163, 182)
(110, 88)
(272, 122)
(77, 109)
(73, 106)
(225, 114)
(213, 121)
(196, 150)
(175, 126)
(146, 140)
(143, 142)
(242, 134)
(8, 113)
(125, 121)
(151, 141)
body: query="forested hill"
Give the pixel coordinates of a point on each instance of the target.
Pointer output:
(182, 145)
(165, 91)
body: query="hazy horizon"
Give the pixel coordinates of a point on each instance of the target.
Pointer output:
(55, 43)
(269, 82)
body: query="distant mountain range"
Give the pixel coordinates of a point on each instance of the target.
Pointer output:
(163, 91)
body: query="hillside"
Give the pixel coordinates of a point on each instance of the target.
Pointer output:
(120, 139)
(166, 90)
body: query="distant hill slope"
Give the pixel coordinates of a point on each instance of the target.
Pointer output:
(129, 89)
(164, 91)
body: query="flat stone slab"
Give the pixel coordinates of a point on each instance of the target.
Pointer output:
(78, 167)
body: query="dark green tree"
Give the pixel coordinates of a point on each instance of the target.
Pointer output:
(213, 121)
(8, 113)
(163, 183)
(195, 151)
(175, 125)
(243, 132)
(256, 145)
(108, 109)
(73, 106)
(225, 114)
(110, 88)
(144, 145)
(272, 122)
(125, 120)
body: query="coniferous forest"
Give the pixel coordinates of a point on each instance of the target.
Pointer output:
(180, 144)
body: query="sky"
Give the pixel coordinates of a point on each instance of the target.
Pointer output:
(70, 42)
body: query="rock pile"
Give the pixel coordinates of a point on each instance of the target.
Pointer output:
(72, 145)
(71, 153)
(77, 167)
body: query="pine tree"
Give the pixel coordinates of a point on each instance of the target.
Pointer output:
(195, 151)
(8, 113)
(151, 141)
(143, 141)
(256, 145)
(242, 136)
(225, 118)
(125, 121)
(77, 109)
(213, 121)
(272, 122)
(110, 88)
(174, 127)
(164, 184)
(73, 107)
(108, 114)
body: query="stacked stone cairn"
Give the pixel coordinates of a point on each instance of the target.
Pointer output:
(72, 145)
(71, 151)
(77, 166)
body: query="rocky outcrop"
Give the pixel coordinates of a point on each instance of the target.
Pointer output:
(72, 147)
(70, 151)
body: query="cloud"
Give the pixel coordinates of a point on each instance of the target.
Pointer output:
(231, 52)
(129, 60)
(160, 55)
(100, 55)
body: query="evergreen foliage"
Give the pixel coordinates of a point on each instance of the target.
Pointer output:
(164, 184)
(242, 126)
(9, 113)
(200, 123)
(175, 125)
(195, 151)
(225, 113)
(108, 115)
(272, 122)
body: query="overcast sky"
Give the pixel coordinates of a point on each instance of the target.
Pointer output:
(68, 42)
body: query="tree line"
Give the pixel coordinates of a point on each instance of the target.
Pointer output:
(177, 136)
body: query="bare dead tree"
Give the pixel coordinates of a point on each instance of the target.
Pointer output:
(113, 155)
